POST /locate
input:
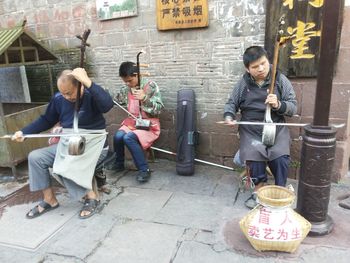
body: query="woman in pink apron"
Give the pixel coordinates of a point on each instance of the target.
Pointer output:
(142, 100)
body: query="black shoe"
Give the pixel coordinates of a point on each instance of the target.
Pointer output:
(143, 176)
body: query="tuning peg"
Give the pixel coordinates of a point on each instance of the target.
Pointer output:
(144, 65)
(141, 52)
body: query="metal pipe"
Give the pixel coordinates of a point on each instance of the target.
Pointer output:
(278, 124)
(120, 106)
(49, 135)
(197, 160)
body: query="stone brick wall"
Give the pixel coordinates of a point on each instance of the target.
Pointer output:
(208, 60)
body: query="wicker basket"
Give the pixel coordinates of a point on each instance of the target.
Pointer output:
(287, 228)
(275, 196)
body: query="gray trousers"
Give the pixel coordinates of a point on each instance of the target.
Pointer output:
(39, 163)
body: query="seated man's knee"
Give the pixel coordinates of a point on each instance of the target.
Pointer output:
(130, 137)
(118, 136)
(280, 164)
(35, 155)
(285, 160)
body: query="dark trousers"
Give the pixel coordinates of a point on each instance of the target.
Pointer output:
(278, 167)
(131, 141)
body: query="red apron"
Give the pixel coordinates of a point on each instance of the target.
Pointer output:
(146, 138)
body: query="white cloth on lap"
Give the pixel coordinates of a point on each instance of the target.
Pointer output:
(79, 168)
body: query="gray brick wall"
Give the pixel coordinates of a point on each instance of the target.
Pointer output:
(207, 60)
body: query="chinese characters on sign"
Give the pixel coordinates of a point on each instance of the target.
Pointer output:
(314, 3)
(280, 227)
(300, 58)
(176, 14)
(301, 35)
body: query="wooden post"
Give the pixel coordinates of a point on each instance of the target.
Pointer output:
(318, 149)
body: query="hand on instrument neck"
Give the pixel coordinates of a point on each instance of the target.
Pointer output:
(81, 75)
(273, 101)
(139, 94)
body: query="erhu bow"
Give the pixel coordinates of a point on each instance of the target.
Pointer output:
(76, 144)
(269, 131)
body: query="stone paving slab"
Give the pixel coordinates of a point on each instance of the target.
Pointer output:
(139, 242)
(194, 252)
(176, 219)
(136, 203)
(193, 211)
(80, 238)
(227, 186)
(18, 231)
(9, 188)
(128, 179)
(164, 177)
(15, 255)
(199, 184)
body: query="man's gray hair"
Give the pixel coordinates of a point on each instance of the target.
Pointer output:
(66, 75)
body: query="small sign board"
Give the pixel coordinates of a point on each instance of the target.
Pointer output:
(177, 14)
(110, 9)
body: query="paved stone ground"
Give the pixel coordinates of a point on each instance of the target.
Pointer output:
(177, 219)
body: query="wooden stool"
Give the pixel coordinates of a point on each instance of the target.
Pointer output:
(150, 156)
(243, 176)
(129, 163)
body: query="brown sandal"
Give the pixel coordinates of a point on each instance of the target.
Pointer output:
(90, 205)
(34, 212)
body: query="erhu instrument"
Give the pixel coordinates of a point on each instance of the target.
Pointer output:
(76, 144)
(141, 124)
(269, 131)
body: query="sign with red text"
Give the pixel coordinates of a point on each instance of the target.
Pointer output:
(177, 14)
(275, 225)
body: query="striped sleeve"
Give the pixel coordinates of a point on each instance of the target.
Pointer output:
(232, 105)
(288, 98)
